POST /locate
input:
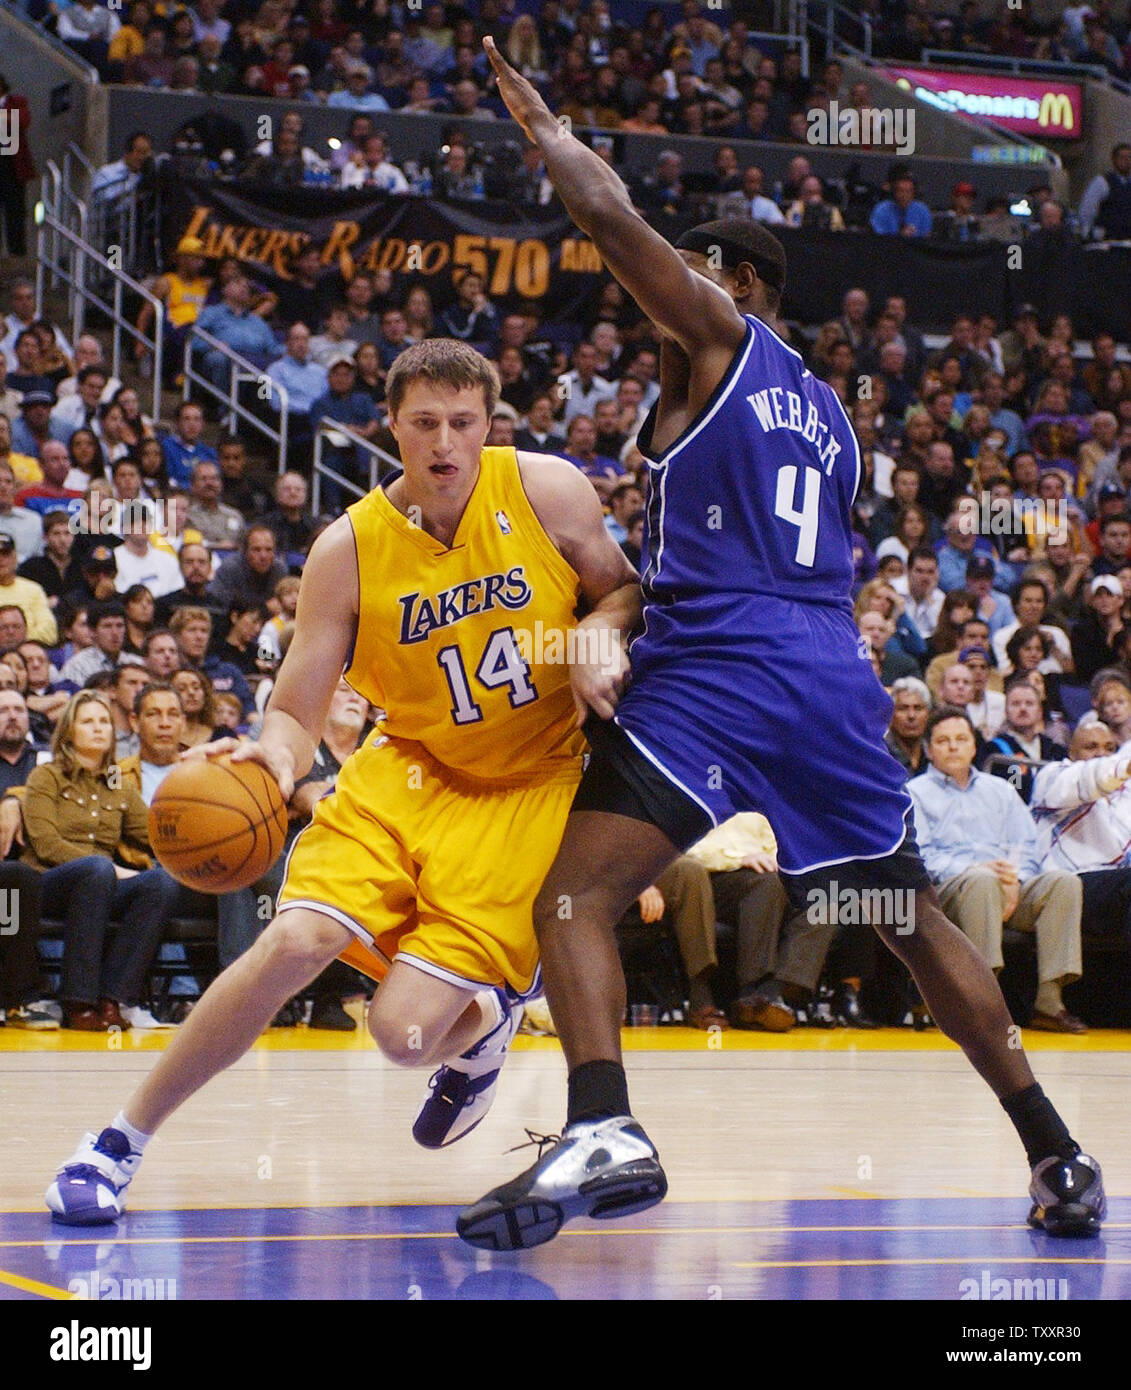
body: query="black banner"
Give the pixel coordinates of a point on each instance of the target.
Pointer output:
(522, 253)
(531, 253)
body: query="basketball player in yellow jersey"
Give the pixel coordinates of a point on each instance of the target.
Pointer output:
(425, 859)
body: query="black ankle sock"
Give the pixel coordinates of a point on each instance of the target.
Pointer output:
(1041, 1129)
(597, 1090)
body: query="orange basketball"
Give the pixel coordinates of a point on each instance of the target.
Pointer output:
(216, 825)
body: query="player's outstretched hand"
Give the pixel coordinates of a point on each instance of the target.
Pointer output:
(521, 98)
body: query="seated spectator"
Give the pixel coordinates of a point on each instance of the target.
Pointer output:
(158, 721)
(982, 573)
(197, 700)
(183, 291)
(139, 604)
(25, 594)
(160, 653)
(1115, 543)
(370, 167)
(270, 649)
(153, 67)
(581, 388)
(911, 704)
(18, 757)
(346, 405)
(107, 621)
(538, 435)
(335, 337)
(1020, 738)
(303, 380)
(240, 648)
(35, 427)
(254, 570)
(1083, 817)
(1031, 600)
(291, 522)
(81, 407)
(893, 661)
(919, 588)
(185, 446)
(195, 561)
(901, 213)
(45, 695)
(25, 526)
(242, 489)
(21, 316)
(779, 952)
(113, 182)
(357, 95)
(138, 560)
(1097, 636)
(812, 210)
(985, 707)
(979, 844)
(115, 916)
(129, 678)
(581, 450)
(472, 318)
(192, 627)
(238, 328)
(88, 28)
(99, 571)
(221, 526)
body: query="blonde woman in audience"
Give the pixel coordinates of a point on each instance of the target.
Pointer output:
(418, 314)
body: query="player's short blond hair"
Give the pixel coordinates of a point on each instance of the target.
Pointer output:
(444, 362)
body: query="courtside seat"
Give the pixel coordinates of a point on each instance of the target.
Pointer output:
(198, 958)
(1102, 997)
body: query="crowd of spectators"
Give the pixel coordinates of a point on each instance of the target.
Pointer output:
(992, 529)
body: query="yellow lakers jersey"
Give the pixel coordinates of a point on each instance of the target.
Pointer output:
(186, 298)
(464, 647)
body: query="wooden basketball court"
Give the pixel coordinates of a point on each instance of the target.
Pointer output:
(838, 1164)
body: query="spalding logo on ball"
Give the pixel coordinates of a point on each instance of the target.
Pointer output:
(216, 825)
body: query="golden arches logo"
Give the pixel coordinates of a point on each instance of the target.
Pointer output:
(1056, 110)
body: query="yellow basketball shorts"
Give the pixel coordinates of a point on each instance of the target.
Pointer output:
(429, 867)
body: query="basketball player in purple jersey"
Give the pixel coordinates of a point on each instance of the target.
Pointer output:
(750, 691)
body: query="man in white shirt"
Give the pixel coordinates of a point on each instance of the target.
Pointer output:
(752, 202)
(80, 409)
(582, 388)
(919, 587)
(21, 314)
(371, 167)
(114, 181)
(138, 561)
(88, 353)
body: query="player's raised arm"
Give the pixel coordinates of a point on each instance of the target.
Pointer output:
(699, 315)
(565, 503)
(325, 624)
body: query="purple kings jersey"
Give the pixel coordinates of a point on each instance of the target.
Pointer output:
(755, 496)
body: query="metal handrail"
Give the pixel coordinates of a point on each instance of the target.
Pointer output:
(51, 229)
(1040, 67)
(242, 369)
(377, 457)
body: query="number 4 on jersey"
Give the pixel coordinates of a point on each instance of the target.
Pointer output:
(808, 517)
(500, 665)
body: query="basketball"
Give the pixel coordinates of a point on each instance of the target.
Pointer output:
(216, 825)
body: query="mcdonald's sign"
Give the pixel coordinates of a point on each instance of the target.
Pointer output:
(1030, 106)
(1056, 116)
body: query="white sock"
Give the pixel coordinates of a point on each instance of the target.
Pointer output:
(137, 1140)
